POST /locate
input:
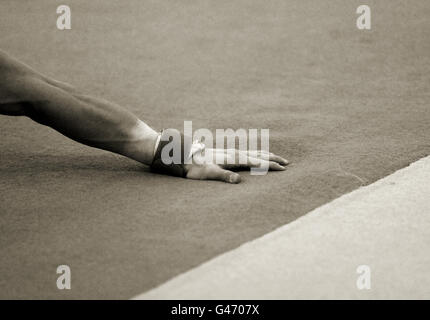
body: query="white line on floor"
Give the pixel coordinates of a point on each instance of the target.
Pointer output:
(385, 226)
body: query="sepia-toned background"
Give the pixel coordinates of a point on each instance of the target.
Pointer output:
(345, 106)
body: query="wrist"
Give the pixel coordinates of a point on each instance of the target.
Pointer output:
(175, 162)
(142, 144)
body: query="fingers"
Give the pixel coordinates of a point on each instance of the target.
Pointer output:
(267, 156)
(213, 172)
(217, 173)
(275, 166)
(278, 159)
(214, 164)
(262, 162)
(233, 158)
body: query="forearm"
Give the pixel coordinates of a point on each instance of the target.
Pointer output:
(88, 120)
(118, 130)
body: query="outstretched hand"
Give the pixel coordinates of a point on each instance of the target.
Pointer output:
(216, 164)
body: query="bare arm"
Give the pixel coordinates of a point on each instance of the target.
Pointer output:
(103, 124)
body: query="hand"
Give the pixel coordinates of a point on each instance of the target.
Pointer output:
(215, 164)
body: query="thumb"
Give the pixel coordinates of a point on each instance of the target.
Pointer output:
(213, 172)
